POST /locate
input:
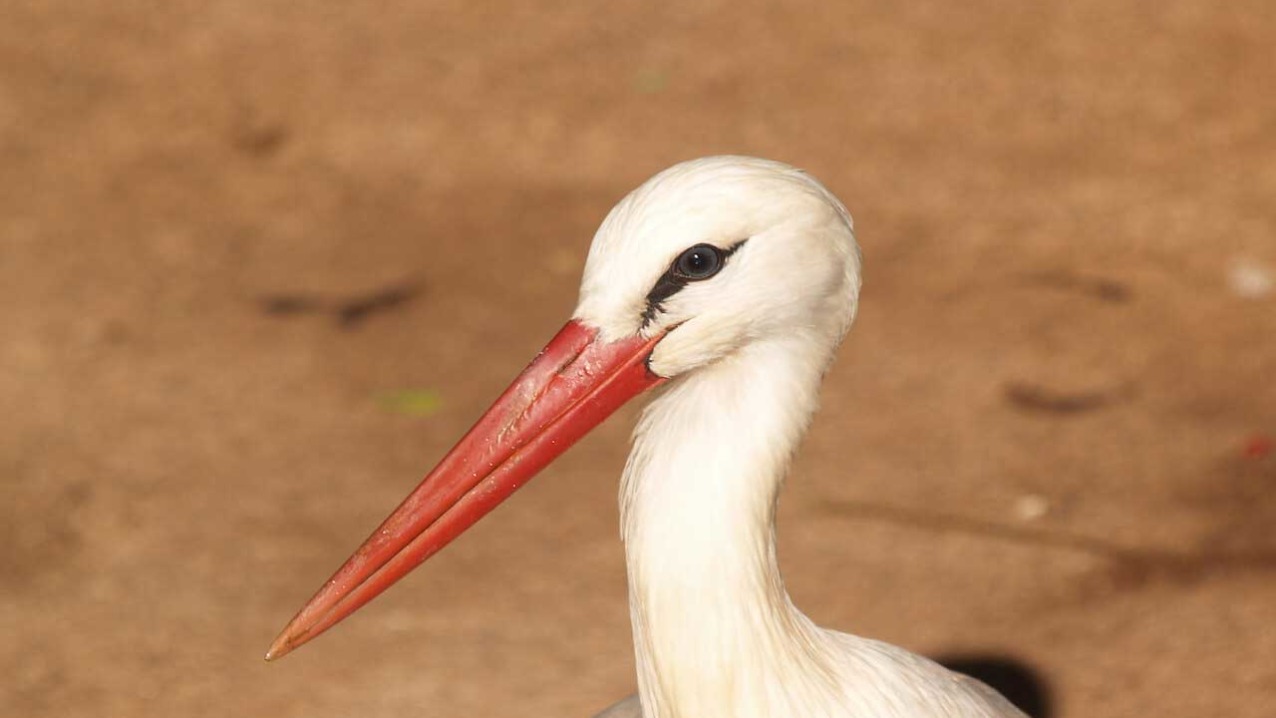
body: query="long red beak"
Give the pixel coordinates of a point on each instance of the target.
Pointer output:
(575, 383)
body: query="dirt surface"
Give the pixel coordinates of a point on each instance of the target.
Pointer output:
(261, 263)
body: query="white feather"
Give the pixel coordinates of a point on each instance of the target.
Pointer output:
(714, 630)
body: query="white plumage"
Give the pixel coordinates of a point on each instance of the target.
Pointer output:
(714, 630)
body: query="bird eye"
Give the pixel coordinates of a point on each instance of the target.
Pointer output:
(699, 262)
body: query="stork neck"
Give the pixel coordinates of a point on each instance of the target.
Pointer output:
(714, 630)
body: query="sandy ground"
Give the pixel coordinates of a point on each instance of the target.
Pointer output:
(262, 262)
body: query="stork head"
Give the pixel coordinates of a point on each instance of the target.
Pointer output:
(715, 253)
(701, 261)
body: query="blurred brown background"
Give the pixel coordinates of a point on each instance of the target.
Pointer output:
(262, 262)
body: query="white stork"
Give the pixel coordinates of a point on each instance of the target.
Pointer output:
(728, 282)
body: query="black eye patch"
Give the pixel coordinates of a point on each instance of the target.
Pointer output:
(695, 264)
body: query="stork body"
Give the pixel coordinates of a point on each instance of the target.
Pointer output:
(730, 281)
(715, 633)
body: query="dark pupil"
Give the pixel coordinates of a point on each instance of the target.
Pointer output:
(700, 262)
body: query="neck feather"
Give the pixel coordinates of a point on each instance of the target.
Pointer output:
(714, 630)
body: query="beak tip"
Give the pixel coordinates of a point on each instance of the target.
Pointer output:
(281, 647)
